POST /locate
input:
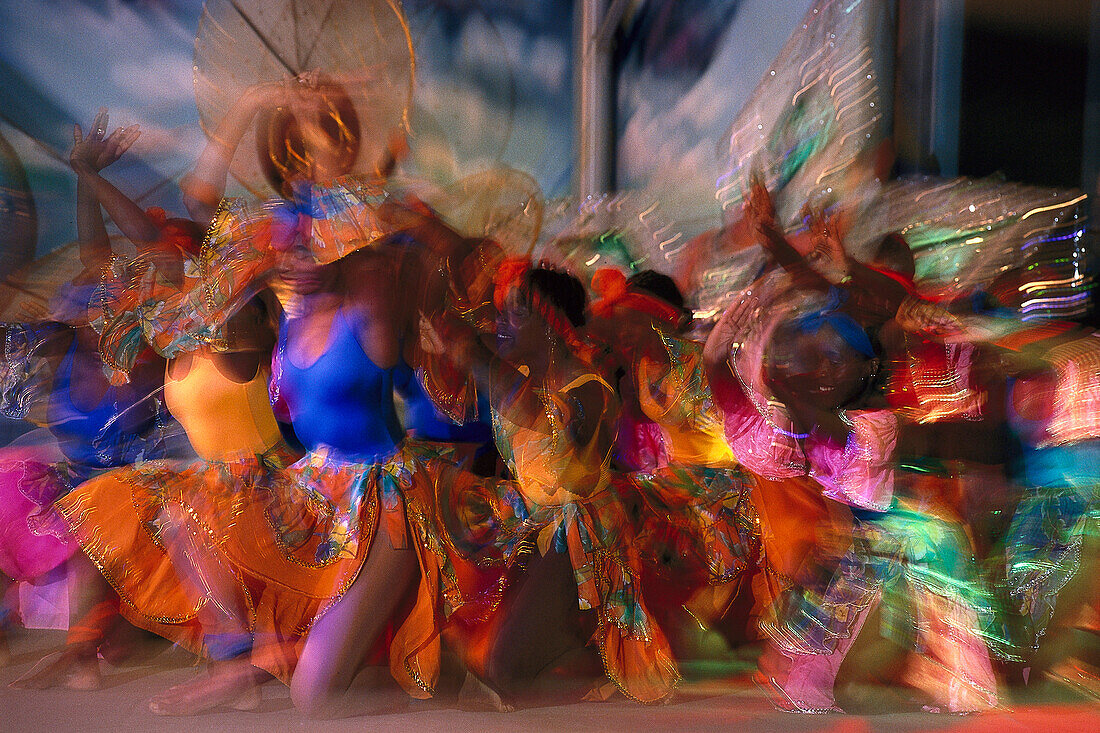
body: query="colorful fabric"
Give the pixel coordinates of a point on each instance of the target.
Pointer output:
(859, 472)
(920, 569)
(33, 540)
(697, 525)
(599, 536)
(572, 506)
(673, 391)
(1043, 545)
(177, 312)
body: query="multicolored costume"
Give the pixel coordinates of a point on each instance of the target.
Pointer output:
(568, 501)
(895, 555)
(293, 534)
(573, 508)
(1061, 470)
(697, 523)
(123, 424)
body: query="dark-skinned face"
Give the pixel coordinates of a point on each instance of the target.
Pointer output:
(819, 368)
(302, 273)
(521, 332)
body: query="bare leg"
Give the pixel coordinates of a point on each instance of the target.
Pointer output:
(93, 610)
(540, 645)
(329, 680)
(231, 680)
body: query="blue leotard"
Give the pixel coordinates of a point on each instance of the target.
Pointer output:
(424, 420)
(120, 428)
(343, 400)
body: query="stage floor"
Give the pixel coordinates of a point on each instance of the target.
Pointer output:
(722, 702)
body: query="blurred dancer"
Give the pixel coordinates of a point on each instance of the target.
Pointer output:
(349, 537)
(1051, 545)
(809, 404)
(98, 425)
(553, 415)
(697, 525)
(153, 529)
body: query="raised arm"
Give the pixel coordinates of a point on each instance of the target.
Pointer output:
(204, 186)
(873, 297)
(721, 345)
(759, 213)
(89, 155)
(414, 218)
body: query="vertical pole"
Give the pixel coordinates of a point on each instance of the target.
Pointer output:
(947, 84)
(593, 100)
(928, 84)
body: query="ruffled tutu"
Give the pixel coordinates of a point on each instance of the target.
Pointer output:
(294, 535)
(119, 521)
(33, 539)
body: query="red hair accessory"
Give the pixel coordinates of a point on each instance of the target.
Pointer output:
(611, 286)
(614, 290)
(173, 233)
(562, 326)
(509, 274)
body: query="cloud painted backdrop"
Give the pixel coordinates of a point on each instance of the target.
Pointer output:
(494, 86)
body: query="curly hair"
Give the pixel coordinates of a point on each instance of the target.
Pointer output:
(562, 290)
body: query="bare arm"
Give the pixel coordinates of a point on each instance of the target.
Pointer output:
(790, 259)
(89, 155)
(759, 213)
(727, 332)
(95, 247)
(873, 297)
(414, 218)
(459, 343)
(204, 186)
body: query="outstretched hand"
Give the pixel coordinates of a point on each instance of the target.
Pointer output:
(759, 209)
(97, 150)
(827, 257)
(735, 322)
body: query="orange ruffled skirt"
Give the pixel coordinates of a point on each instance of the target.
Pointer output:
(293, 535)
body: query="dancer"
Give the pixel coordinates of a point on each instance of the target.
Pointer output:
(697, 523)
(151, 528)
(1050, 548)
(552, 416)
(98, 425)
(352, 538)
(809, 405)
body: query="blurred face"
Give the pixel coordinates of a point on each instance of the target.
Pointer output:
(521, 332)
(818, 368)
(303, 274)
